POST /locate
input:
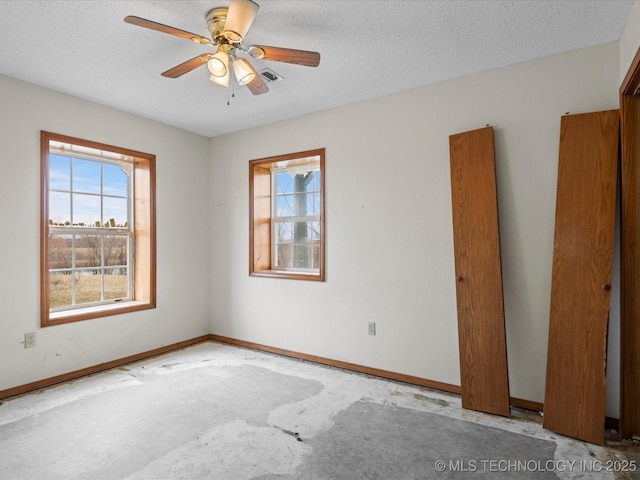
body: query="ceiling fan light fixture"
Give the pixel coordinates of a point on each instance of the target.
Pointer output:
(239, 18)
(222, 81)
(218, 65)
(244, 71)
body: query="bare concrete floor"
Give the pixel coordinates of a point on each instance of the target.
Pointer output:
(214, 411)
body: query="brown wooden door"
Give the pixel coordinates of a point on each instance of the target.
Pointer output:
(481, 330)
(574, 403)
(630, 253)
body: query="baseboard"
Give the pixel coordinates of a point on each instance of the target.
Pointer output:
(400, 377)
(526, 404)
(609, 422)
(47, 382)
(423, 382)
(612, 423)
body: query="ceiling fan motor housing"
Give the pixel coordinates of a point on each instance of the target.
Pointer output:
(216, 19)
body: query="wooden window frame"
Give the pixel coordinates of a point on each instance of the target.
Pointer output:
(144, 215)
(630, 252)
(260, 235)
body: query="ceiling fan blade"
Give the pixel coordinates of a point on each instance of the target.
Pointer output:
(257, 85)
(141, 22)
(288, 55)
(187, 66)
(239, 19)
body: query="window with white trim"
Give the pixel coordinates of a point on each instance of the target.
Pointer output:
(94, 246)
(296, 217)
(287, 216)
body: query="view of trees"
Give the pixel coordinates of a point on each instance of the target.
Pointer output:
(89, 251)
(297, 225)
(88, 208)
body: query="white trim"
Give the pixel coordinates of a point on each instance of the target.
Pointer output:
(102, 157)
(58, 315)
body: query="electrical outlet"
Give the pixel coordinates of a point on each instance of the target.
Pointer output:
(30, 340)
(372, 328)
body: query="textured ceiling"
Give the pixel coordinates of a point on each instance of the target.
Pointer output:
(369, 48)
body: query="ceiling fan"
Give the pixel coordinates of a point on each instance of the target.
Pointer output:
(228, 27)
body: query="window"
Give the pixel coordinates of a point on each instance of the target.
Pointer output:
(97, 230)
(287, 216)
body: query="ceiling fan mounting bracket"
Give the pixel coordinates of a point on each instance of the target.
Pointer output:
(216, 19)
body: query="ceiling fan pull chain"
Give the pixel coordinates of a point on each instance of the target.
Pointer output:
(232, 79)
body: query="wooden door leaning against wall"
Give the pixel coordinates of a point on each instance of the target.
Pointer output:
(574, 403)
(481, 329)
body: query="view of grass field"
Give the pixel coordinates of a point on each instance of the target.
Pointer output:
(93, 256)
(87, 288)
(88, 217)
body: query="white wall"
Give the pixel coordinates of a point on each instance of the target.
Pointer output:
(389, 232)
(182, 206)
(630, 40)
(388, 213)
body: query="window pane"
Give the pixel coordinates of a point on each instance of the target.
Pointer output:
(305, 204)
(114, 209)
(60, 208)
(284, 232)
(299, 183)
(88, 286)
(114, 180)
(60, 251)
(284, 181)
(86, 176)
(59, 172)
(301, 232)
(285, 206)
(284, 255)
(307, 183)
(115, 283)
(309, 203)
(115, 250)
(86, 209)
(314, 231)
(315, 206)
(59, 289)
(88, 251)
(316, 181)
(301, 256)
